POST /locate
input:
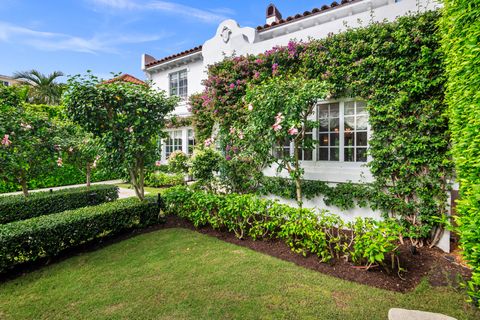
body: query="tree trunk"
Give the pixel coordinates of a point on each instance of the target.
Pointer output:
(137, 176)
(298, 181)
(89, 174)
(23, 183)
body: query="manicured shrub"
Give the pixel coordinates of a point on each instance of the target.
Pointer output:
(160, 179)
(368, 242)
(205, 163)
(14, 208)
(461, 37)
(47, 236)
(178, 162)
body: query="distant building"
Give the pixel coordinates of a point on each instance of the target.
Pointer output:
(126, 78)
(7, 81)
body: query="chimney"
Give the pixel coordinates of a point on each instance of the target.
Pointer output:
(273, 15)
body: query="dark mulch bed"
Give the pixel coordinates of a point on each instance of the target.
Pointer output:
(439, 268)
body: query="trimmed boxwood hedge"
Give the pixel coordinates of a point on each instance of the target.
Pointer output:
(47, 236)
(14, 208)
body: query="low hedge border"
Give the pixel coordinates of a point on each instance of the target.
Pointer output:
(368, 242)
(19, 207)
(47, 236)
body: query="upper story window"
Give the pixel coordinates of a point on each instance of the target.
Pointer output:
(179, 84)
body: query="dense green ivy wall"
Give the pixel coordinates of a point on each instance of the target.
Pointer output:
(461, 42)
(397, 68)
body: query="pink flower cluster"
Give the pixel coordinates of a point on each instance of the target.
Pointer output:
(278, 120)
(292, 131)
(59, 162)
(5, 141)
(158, 163)
(275, 68)
(250, 107)
(208, 142)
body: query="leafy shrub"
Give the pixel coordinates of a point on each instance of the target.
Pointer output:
(13, 208)
(160, 179)
(178, 162)
(303, 230)
(205, 163)
(461, 33)
(47, 236)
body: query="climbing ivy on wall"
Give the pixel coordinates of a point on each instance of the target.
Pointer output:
(461, 42)
(397, 68)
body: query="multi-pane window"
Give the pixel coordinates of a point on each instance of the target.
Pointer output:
(173, 142)
(283, 149)
(306, 154)
(179, 84)
(355, 123)
(329, 132)
(191, 141)
(342, 131)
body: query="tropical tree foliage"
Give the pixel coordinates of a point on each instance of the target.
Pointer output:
(43, 88)
(126, 117)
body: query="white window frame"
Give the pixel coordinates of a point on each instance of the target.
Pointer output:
(184, 146)
(177, 73)
(315, 133)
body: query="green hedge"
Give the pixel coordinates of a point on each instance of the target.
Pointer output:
(47, 236)
(461, 43)
(305, 231)
(14, 208)
(161, 179)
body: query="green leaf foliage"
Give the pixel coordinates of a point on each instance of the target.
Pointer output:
(397, 68)
(461, 43)
(14, 208)
(303, 230)
(47, 236)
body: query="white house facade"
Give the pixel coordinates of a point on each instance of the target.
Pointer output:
(343, 131)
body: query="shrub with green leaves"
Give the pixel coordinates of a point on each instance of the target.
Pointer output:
(303, 230)
(178, 162)
(461, 43)
(205, 163)
(160, 179)
(14, 208)
(47, 236)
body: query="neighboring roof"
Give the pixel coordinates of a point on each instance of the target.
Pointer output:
(314, 11)
(174, 56)
(126, 78)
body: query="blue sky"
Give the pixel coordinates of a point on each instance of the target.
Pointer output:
(110, 35)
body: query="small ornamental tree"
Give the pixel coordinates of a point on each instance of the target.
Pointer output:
(27, 148)
(83, 151)
(279, 111)
(127, 117)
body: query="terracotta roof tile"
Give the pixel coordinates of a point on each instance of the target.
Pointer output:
(333, 5)
(174, 56)
(126, 78)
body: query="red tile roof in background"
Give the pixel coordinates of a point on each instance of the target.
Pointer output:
(126, 78)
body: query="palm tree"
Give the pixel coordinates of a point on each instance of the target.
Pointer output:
(44, 89)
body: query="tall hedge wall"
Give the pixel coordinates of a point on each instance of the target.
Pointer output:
(461, 42)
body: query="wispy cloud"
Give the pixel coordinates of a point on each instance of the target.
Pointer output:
(205, 15)
(53, 41)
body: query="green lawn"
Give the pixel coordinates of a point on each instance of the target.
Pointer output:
(181, 274)
(150, 190)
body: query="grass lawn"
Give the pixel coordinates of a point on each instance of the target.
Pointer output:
(181, 274)
(150, 190)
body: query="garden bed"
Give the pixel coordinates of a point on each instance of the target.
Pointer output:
(431, 263)
(438, 268)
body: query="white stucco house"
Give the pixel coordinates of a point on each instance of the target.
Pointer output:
(340, 155)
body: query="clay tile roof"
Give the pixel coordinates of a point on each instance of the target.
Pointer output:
(314, 11)
(126, 78)
(174, 56)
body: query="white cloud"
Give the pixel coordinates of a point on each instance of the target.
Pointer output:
(208, 16)
(52, 41)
